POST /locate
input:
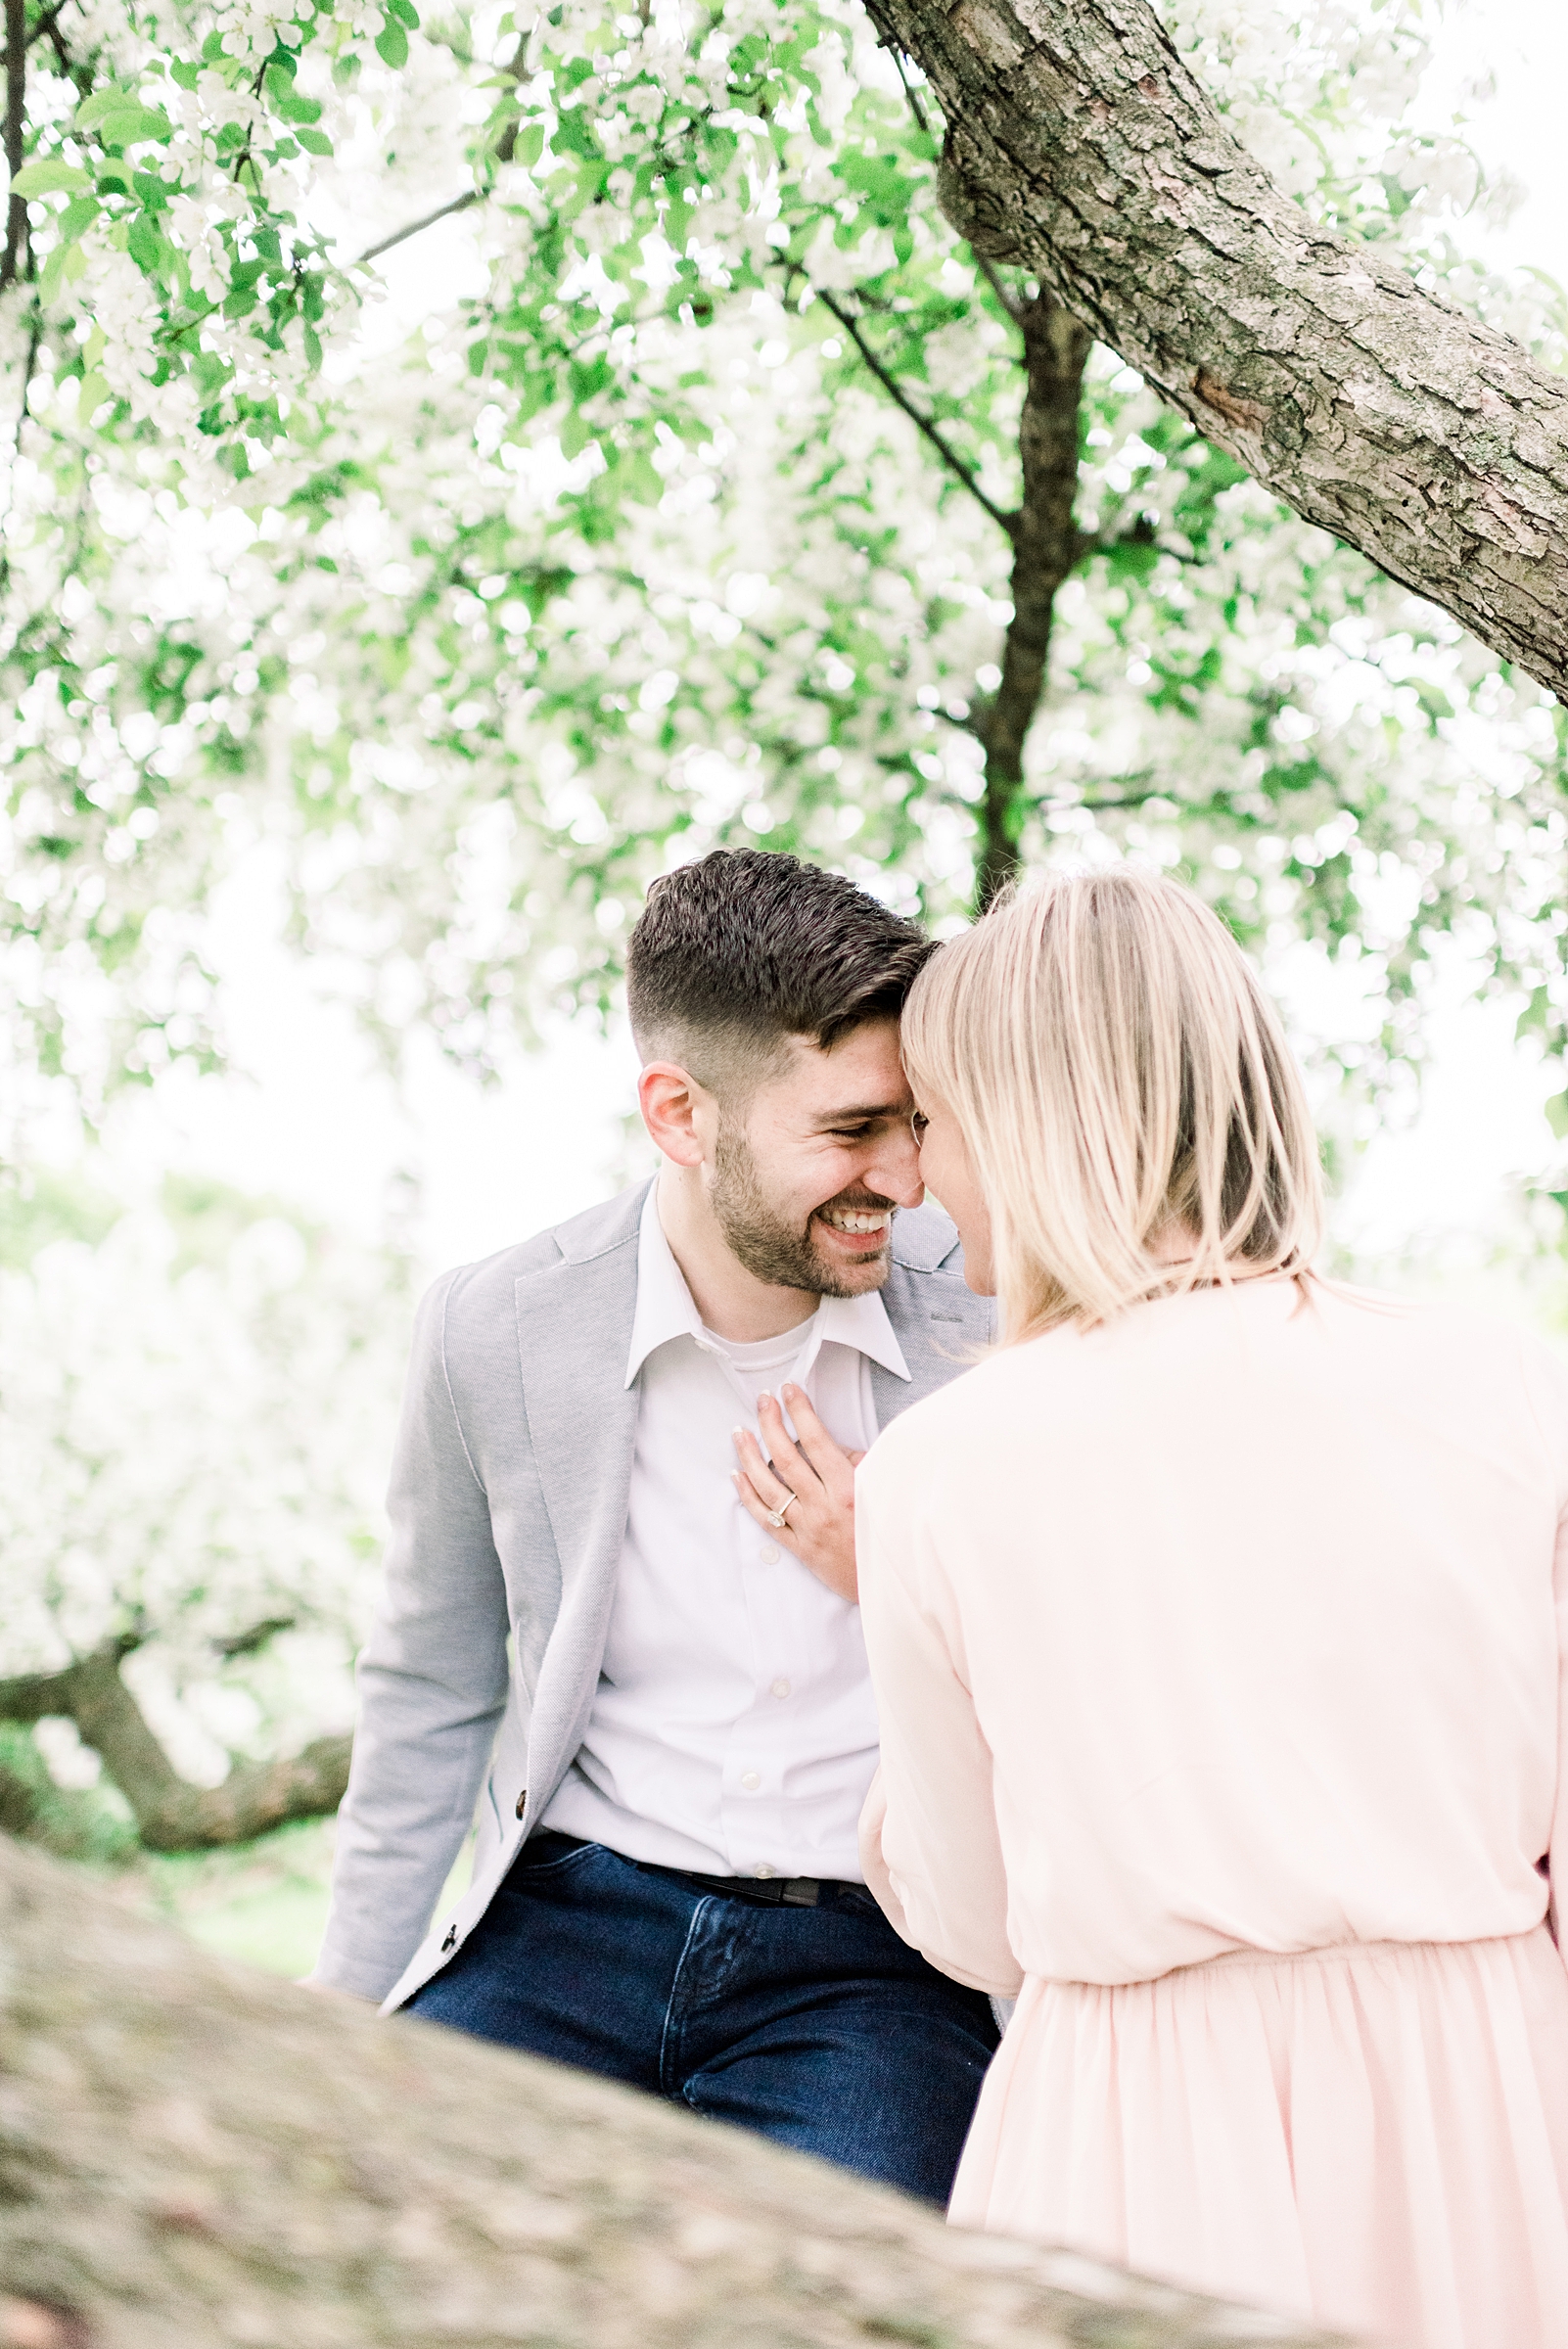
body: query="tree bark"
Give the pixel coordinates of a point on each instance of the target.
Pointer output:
(194, 2154)
(1080, 145)
(171, 1815)
(1046, 547)
(14, 262)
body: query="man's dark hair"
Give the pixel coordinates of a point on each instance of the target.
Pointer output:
(747, 947)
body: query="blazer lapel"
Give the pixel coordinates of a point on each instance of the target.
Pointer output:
(574, 1336)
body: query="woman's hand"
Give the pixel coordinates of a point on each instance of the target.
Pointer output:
(818, 1526)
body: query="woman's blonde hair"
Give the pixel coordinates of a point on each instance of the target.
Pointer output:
(1133, 1114)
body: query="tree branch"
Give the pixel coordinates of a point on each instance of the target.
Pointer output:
(1080, 145)
(909, 90)
(14, 262)
(1046, 544)
(400, 236)
(896, 391)
(1011, 303)
(1131, 799)
(28, 365)
(505, 149)
(198, 2154)
(80, 74)
(171, 1815)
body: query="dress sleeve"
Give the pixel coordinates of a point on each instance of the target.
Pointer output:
(928, 1833)
(1546, 1386)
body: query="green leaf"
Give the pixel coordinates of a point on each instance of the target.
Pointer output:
(576, 434)
(132, 124)
(287, 101)
(76, 217)
(314, 142)
(1558, 1115)
(143, 245)
(113, 101)
(91, 396)
(48, 178)
(312, 349)
(392, 44)
(184, 72)
(637, 480)
(53, 270)
(405, 11)
(1536, 1017)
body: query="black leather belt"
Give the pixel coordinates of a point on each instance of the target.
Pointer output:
(769, 1892)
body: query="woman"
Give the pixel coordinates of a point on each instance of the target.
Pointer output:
(1215, 1631)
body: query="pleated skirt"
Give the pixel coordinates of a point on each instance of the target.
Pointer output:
(1372, 2137)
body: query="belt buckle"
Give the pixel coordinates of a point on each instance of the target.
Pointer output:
(801, 1892)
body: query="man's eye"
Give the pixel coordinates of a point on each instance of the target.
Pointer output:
(919, 1124)
(849, 1134)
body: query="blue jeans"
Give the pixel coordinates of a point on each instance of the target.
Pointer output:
(816, 2027)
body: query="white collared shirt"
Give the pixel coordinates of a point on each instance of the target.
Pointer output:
(733, 1731)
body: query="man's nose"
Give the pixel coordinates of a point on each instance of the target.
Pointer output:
(894, 1170)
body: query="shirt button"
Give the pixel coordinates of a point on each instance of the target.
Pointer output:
(763, 1871)
(781, 1688)
(768, 1552)
(751, 1780)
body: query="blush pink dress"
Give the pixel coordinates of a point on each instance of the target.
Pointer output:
(1218, 1654)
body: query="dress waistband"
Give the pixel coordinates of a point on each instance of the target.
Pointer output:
(1341, 1952)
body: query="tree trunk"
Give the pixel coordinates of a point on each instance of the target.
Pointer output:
(194, 2154)
(13, 263)
(1080, 145)
(1045, 548)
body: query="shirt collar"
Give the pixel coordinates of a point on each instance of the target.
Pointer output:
(666, 1310)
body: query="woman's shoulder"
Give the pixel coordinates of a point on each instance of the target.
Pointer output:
(1448, 1325)
(979, 1402)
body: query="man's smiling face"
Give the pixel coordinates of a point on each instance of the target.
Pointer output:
(805, 1178)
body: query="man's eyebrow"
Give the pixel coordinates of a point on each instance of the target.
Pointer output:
(862, 1116)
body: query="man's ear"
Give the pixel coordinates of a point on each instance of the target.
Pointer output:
(670, 1100)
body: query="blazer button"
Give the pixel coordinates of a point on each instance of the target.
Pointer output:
(522, 1802)
(451, 1943)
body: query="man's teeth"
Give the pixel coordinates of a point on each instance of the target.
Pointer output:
(864, 1219)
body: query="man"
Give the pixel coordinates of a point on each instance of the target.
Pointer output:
(608, 1539)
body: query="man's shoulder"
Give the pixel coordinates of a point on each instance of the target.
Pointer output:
(926, 1240)
(927, 1297)
(471, 1291)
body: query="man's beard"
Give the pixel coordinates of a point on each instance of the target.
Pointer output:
(770, 1247)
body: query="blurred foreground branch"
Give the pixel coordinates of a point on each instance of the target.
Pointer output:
(190, 2152)
(170, 1814)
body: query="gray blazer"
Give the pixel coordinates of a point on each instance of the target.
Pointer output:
(508, 1504)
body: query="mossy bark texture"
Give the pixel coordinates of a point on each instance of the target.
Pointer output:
(1081, 146)
(193, 2156)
